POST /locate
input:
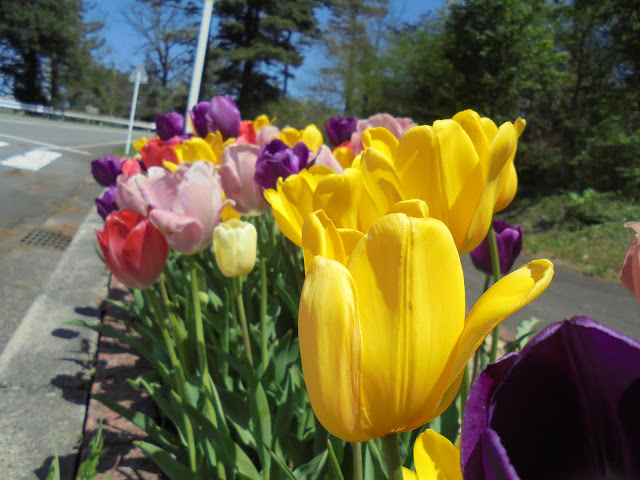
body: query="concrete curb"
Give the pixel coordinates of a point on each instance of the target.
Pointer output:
(44, 367)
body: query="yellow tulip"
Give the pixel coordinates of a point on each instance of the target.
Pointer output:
(452, 166)
(435, 458)
(195, 149)
(262, 121)
(234, 244)
(384, 339)
(489, 142)
(292, 200)
(310, 136)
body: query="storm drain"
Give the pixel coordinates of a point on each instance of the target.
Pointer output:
(47, 238)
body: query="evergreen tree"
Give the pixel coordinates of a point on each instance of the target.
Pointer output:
(257, 42)
(42, 44)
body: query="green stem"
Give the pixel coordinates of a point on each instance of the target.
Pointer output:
(391, 450)
(495, 263)
(357, 460)
(237, 287)
(464, 390)
(180, 378)
(264, 339)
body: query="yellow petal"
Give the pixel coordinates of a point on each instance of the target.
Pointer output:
(194, 150)
(312, 137)
(504, 298)
(292, 200)
(472, 124)
(382, 140)
(290, 136)
(320, 237)
(440, 165)
(412, 208)
(344, 156)
(508, 190)
(139, 144)
(436, 458)
(330, 349)
(500, 154)
(380, 181)
(408, 474)
(339, 195)
(350, 239)
(260, 121)
(411, 310)
(170, 166)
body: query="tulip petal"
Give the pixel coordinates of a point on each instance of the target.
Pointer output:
(183, 232)
(380, 181)
(592, 376)
(331, 349)
(439, 165)
(408, 474)
(496, 464)
(381, 140)
(630, 272)
(436, 458)
(500, 153)
(476, 415)
(320, 237)
(504, 298)
(409, 281)
(292, 200)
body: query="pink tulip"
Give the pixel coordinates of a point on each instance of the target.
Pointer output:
(630, 273)
(184, 205)
(397, 126)
(325, 157)
(237, 172)
(266, 134)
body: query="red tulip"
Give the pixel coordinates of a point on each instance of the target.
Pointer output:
(133, 248)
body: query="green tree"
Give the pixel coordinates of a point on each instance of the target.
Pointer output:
(257, 43)
(42, 44)
(353, 38)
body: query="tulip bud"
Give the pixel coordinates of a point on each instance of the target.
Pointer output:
(106, 170)
(340, 129)
(234, 243)
(509, 241)
(169, 125)
(107, 202)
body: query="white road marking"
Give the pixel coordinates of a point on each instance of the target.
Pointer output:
(32, 160)
(44, 144)
(3, 144)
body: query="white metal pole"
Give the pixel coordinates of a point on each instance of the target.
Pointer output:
(198, 64)
(132, 112)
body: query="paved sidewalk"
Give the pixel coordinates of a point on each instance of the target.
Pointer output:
(45, 367)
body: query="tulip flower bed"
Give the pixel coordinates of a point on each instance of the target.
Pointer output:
(303, 307)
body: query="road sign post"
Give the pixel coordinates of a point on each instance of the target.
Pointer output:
(137, 77)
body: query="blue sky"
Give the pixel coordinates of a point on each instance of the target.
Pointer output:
(124, 45)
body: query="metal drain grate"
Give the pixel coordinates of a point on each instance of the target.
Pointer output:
(47, 238)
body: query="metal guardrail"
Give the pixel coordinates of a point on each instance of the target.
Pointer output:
(11, 104)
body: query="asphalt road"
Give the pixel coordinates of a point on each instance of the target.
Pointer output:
(45, 204)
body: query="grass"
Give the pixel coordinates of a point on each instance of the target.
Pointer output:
(582, 231)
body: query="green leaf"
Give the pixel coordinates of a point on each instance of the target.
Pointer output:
(168, 463)
(287, 296)
(314, 468)
(333, 462)
(261, 420)
(165, 438)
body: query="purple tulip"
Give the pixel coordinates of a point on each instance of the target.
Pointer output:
(509, 240)
(220, 114)
(339, 129)
(107, 202)
(566, 407)
(277, 160)
(169, 125)
(105, 170)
